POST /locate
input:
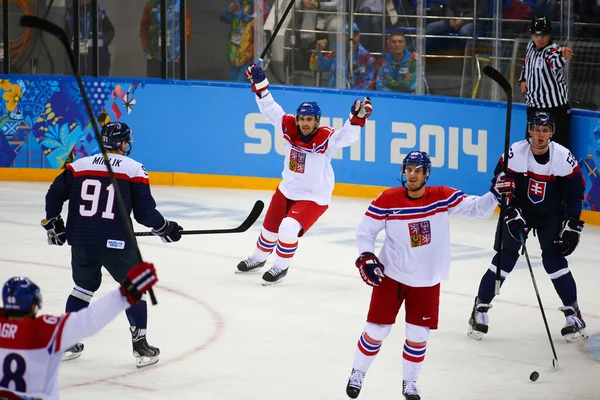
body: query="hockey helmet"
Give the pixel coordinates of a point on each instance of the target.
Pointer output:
(540, 118)
(114, 133)
(540, 26)
(19, 295)
(309, 108)
(417, 158)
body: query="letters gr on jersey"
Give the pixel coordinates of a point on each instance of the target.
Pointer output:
(447, 145)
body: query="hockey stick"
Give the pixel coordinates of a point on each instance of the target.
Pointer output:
(31, 21)
(497, 77)
(537, 294)
(274, 34)
(250, 220)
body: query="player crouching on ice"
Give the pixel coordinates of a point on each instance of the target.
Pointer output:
(305, 190)
(32, 346)
(414, 258)
(549, 190)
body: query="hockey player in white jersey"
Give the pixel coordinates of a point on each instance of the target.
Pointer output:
(308, 179)
(549, 191)
(414, 258)
(32, 347)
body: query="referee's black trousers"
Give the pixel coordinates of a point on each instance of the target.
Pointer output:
(562, 121)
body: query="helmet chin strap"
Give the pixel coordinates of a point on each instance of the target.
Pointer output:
(529, 139)
(419, 188)
(306, 138)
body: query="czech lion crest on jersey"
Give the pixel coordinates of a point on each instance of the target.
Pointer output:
(536, 191)
(420, 233)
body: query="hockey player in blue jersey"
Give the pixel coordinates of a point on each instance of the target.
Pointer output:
(549, 190)
(97, 232)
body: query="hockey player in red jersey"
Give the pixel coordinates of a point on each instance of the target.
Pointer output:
(414, 258)
(31, 346)
(549, 191)
(308, 179)
(96, 231)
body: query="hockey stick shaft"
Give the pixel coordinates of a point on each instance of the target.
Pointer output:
(34, 22)
(244, 226)
(497, 77)
(539, 299)
(275, 31)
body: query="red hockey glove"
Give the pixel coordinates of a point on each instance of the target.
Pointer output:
(503, 184)
(256, 75)
(138, 280)
(371, 270)
(360, 111)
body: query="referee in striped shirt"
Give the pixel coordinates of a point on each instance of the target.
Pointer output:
(543, 80)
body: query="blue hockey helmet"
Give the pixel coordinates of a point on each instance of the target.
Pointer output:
(19, 295)
(540, 118)
(309, 108)
(419, 158)
(114, 133)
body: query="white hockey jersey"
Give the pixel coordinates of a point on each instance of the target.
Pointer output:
(307, 171)
(31, 349)
(416, 250)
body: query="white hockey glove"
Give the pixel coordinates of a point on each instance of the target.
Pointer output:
(360, 111)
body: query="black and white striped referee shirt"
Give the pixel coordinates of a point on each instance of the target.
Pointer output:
(543, 71)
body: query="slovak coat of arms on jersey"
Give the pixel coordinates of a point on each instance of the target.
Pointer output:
(297, 161)
(420, 233)
(536, 191)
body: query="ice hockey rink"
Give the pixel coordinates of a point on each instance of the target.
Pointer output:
(224, 336)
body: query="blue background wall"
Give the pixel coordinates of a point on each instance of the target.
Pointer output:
(215, 128)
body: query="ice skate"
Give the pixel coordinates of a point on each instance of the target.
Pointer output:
(73, 352)
(249, 264)
(478, 323)
(145, 355)
(574, 329)
(410, 390)
(273, 276)
(355, 383)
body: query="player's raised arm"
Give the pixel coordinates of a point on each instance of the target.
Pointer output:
(266, 104)
(350, 132)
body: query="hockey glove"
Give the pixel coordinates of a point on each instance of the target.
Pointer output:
(259, 80)
(515, 224)
(503, 184)
(55, 229)
(169, 232)
(569, 236)
(371, 269)
(138, 280)
(360, 111)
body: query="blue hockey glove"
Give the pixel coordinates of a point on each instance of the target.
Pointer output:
(371, 269)
(55, 229)
(503, 184)
(568, 239)
(169, 232)
(515, 224)
(360, 111)
(259, 80)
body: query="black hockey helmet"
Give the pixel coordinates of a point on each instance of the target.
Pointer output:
(540, 26)
(114, 133)
(540, 118)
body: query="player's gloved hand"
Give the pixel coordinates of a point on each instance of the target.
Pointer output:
(515, 223)
(169, 232)
(371, 269)
(360, 111)
(138, 280)
(259, 80)
(503, 184)
(569, 236)
(55, 229)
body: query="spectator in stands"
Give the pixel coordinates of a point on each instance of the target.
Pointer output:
(313, 20)
(459, 8)
(373, 24)
(150, 34)
(398, 69)
(106, 33)
(363, 63)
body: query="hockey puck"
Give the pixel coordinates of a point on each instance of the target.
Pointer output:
(534, 376)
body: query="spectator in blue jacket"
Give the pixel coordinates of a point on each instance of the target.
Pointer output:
(398, 69)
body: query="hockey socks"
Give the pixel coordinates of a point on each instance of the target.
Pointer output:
(413, 357)
(138, 316)
(365, 353)
(80, 298)
(264, 245)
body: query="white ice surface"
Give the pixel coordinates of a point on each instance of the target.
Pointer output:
(224, 336)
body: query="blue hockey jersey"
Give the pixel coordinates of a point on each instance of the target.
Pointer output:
(542, 190)
(94, 218)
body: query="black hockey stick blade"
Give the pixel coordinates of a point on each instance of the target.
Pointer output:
(497, 77)
(250, 220)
